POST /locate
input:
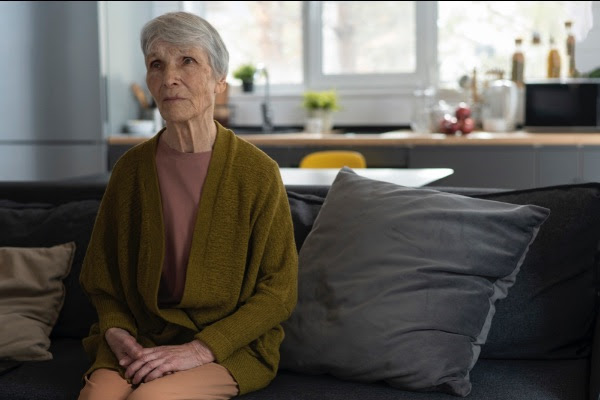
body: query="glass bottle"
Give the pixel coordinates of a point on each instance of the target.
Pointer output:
(570, 49)
(422, 119)
(536, 59)
(518, 63)
(553, 60)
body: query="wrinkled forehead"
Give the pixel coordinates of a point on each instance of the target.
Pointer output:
(164, 49)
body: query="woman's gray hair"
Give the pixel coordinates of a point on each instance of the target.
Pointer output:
(187, 29)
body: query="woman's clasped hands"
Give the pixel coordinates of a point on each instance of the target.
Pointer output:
(146, 364)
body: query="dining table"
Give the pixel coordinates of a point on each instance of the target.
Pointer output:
(410, 177)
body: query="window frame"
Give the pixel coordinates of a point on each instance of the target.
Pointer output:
(426, 73)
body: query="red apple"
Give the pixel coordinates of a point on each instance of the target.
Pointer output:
(462, 111)
(467, 125)
(449, 124)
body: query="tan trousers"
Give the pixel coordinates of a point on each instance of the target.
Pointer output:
(209, 381)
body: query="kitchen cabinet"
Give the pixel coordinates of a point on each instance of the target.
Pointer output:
(590, 164)
(510, 160)
(558, 165)
(376, 157)
(480, 166)
(281, 154)
(290, 156)
(510, 166)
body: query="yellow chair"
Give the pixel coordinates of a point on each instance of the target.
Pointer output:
(333, 159)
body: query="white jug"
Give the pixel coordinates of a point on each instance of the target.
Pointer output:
(499, 109)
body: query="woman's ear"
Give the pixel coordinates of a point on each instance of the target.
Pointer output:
(220, 86)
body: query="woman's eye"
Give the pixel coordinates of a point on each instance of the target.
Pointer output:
(155, 64)
(188, 60)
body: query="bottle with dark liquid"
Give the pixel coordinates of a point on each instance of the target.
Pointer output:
(570, 49)
(518, 63)
(553, 61)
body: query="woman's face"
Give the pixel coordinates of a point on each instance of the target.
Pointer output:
(181, 82)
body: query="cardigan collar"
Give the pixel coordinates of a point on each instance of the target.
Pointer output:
(151, 257)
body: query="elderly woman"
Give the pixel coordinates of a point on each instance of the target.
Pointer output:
(192, 264)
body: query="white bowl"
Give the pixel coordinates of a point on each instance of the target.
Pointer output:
(140, 126)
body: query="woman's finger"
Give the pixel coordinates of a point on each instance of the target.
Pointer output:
(155, 368)
(161, 370)
(125, 361)
(146, 356)
(133, 368)
(141, 373)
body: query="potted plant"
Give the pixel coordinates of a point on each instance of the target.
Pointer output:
(245, 73)
(320, 105)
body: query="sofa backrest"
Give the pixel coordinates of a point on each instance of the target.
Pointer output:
(548, 313)
(42, 214)
(52, 193)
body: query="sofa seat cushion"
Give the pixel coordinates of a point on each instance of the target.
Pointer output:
(57, 379)
(60, 379)
(492, 379)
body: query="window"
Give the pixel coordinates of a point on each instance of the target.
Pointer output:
(369, 45)
(357, 44)
(261, 32)
(481, 35)
(393, 46)
(376, 37)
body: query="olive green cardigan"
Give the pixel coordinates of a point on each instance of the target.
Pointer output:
(241, 280)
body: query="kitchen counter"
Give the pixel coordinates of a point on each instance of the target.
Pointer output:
(405, 138)
(480, 159)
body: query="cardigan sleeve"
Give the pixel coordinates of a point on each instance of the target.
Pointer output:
(100, 276)
(275, 296)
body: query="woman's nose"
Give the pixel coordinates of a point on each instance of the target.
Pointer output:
(171, 76)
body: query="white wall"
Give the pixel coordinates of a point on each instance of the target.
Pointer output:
(587, 52)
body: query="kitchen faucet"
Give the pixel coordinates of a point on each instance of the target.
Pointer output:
(265, 107)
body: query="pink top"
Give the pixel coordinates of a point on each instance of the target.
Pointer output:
(180, 177)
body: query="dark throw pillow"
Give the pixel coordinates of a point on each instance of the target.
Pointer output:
(399, 284)
(304, 209)
(556, 293)
(38, 225)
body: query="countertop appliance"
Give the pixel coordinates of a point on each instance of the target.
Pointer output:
(562, 105)
(499, 108)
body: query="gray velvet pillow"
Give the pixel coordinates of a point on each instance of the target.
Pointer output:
(398, 284)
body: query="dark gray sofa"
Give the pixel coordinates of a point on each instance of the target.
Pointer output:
(544, 342)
